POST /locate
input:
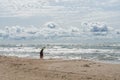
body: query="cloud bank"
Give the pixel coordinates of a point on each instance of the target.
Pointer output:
(52, 30)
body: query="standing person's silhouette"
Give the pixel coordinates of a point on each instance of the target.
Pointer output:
(41, 53)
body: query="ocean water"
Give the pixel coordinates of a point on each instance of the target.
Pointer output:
(97, 52)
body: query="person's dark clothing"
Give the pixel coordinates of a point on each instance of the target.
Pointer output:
(41, 53)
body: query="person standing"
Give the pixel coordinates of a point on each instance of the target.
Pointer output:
(41, 53)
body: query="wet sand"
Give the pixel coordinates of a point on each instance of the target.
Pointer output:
(12, 68)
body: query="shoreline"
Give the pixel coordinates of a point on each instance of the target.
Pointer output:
(98, 61)
(14, 68)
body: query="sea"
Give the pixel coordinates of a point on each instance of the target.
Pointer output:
(108, 53)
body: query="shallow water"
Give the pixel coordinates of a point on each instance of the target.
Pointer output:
(105, 53)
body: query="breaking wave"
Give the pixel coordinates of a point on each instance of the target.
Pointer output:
(104, 53)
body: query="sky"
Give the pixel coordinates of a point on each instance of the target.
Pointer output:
(60, 20)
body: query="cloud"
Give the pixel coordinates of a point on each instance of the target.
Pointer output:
(51, 25)
(118, 32)
(69, 14)
(25, 8)
(52, 30)
(99, 29)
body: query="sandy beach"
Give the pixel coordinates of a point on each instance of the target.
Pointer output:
(12, 68)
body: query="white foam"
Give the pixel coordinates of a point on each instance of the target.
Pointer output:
(58, 52)
(57, 49)
(17, 55)
(19, 49)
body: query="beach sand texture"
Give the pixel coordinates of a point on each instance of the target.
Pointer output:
(12, 68)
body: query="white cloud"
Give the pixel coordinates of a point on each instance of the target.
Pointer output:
(54, 31)
(68, 13)
(46, 7)
(99, 29)
(26, 8)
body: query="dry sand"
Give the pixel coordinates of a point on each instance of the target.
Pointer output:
(12, 68)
